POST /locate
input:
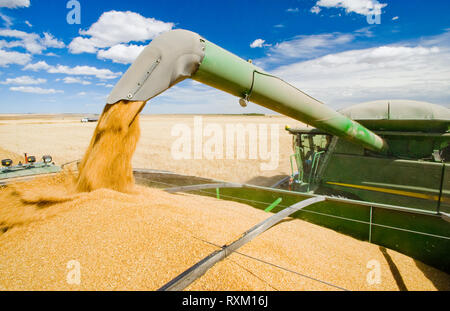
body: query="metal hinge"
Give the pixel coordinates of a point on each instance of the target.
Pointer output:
(144, 78)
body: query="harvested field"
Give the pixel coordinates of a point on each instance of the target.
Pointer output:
(66, 139)
(140, 241)
(6, 154)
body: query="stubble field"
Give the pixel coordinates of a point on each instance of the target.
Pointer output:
(65, 138)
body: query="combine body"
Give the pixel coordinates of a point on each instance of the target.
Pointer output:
(414, 172)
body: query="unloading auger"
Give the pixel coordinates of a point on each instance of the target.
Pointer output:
(180, 54)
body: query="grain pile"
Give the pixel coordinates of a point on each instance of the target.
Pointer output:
(141, 241)
(24, 203)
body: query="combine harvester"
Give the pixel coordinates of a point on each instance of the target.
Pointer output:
(385, 178)
(377, 171)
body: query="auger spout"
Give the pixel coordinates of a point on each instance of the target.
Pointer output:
(180, 54)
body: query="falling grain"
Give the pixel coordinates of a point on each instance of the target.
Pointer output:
(107, 161)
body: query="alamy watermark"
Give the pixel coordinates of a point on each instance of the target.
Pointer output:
(74, 15)
(374, 275)
(374, 14)
(230, 141)
(73, 276)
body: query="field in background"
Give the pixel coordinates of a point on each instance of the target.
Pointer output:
(65, 138)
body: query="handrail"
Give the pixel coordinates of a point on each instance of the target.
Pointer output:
(314, 166)
(202, 187)
(186, 278)
(298, 161)
(330, 198)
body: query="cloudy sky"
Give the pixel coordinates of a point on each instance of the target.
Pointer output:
(342, 52)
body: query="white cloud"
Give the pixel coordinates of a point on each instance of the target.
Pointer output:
(121, 53)
(7, 58)
(82, 94)
(34, 90)
(41, 65)
(258, 43)
(419, 71)
(29, 41)
(32, 42)
(292, 10)
(71, 80)
(114, 27)
(82, 45)
(395, 18)
(24, 80)
(304, 46)
(7, 20)
(105, 85)
(77, 70)
(86, 71)
(362, 7)
(50, 41)
(315, 9)
(12, 4)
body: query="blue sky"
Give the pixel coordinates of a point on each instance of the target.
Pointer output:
(327, 48)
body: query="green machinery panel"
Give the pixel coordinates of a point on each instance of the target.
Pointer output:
(390, 181)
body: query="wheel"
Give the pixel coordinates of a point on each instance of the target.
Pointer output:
(7, 162)
(31, 159)
(47, 159)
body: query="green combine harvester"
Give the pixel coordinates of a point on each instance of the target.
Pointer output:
(411, 172)
(383, 166)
